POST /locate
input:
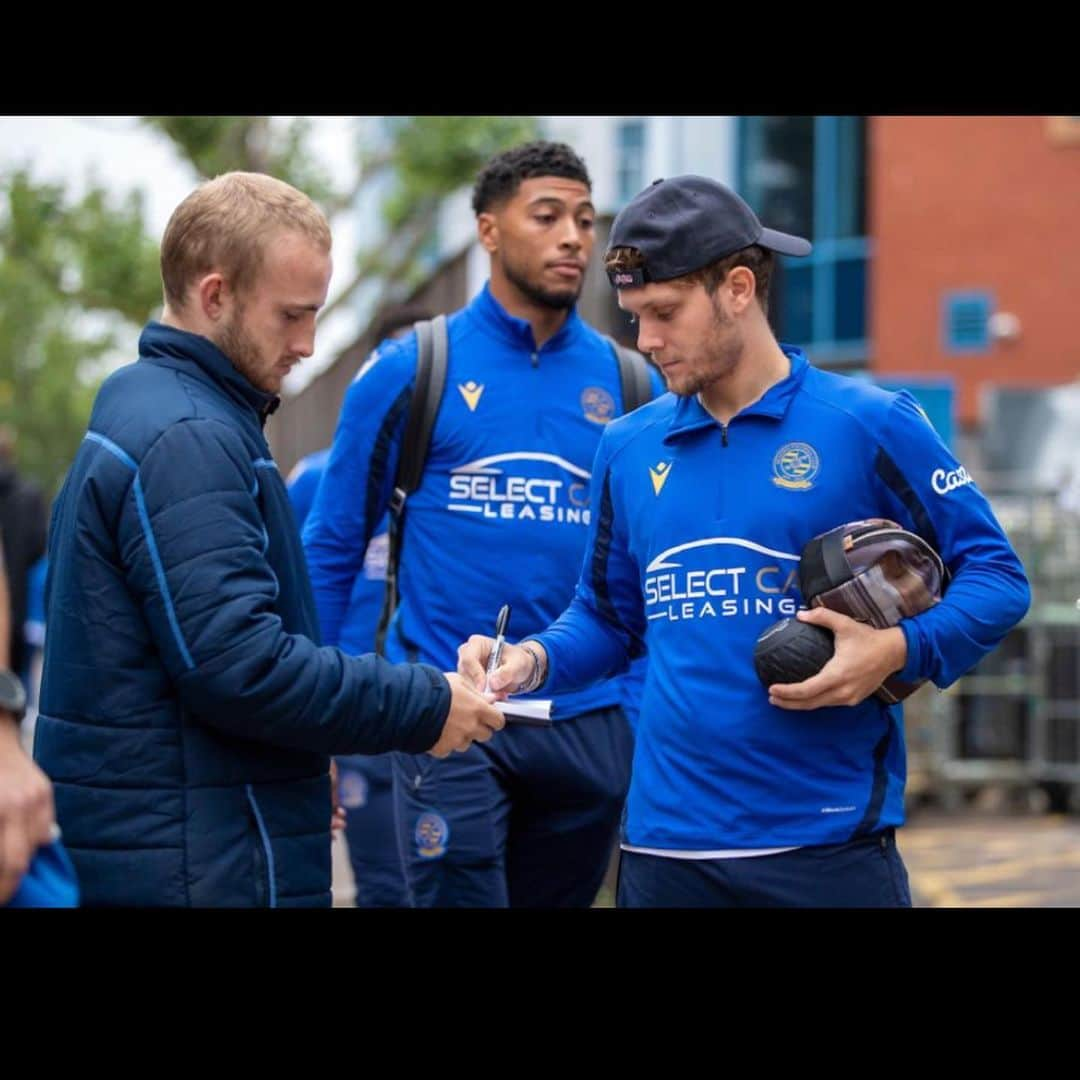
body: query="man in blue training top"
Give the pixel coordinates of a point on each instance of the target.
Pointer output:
(704, 499)
(530, 387)
(365, 782)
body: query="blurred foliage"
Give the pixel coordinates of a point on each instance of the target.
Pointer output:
(435, 155)
(220, 144)
(78, 277)
(72, 274)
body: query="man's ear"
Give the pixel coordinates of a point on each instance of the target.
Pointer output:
(212, 295)
(487, 229)
(741, 286)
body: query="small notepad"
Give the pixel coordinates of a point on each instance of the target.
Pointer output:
(536, 713)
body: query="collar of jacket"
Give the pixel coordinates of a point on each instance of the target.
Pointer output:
(495, 319)
(691, 415)
(184, 350)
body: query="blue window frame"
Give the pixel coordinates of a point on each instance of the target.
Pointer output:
(966, 321)
(807, 175)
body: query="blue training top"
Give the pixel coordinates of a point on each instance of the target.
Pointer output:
(357, 634)
(503, 509)
(694, 543)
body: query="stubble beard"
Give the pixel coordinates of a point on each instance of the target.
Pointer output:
(237, 344)
(538, 294)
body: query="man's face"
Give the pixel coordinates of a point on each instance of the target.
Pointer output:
(687, 332)
(271, 326)
(541, 238)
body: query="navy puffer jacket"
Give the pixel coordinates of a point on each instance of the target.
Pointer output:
(187, 713)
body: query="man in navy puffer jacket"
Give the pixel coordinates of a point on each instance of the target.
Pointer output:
(187, 714)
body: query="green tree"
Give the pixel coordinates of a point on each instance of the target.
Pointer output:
(74, 274)
(78, 277)
(417, 161)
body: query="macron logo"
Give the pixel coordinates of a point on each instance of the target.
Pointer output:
(471, 393)
(659, 475)
(943, 482)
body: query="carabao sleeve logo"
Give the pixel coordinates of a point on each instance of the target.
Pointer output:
(943, 481)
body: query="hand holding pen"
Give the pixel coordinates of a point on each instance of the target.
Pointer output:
(501, 624)
(516, 668)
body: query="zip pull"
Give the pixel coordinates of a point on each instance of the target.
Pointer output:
(535, 358)
(723, 434)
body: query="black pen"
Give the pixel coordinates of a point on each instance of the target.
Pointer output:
(501, 624)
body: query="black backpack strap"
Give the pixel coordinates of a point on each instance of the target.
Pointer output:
(633, 376)
(432, 346)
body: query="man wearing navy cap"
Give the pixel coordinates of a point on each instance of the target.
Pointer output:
(742, 796)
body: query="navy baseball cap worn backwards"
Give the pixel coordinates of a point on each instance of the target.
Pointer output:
(685, 223)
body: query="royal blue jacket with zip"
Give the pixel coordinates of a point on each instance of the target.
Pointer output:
(503, 508)
(693, 550)
(187, 712)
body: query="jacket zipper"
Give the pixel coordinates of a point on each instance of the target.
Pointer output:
(267, 851)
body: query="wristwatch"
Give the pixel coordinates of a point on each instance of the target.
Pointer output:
(12, 694)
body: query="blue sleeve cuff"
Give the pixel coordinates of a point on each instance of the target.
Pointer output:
(552, 666)
(912, 669)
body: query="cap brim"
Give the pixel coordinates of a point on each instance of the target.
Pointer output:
(784, 243)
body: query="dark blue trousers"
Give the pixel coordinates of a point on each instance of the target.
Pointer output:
(527, 819)
(867, 872)
(365, 789)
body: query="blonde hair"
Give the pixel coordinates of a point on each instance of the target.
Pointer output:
(226, 223)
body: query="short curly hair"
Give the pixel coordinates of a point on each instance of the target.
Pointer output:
(502, 175)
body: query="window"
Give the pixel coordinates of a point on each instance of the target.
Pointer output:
(629, 159)
(967, 321)
(807, 175)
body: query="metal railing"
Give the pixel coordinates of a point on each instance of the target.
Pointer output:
(1015, 719)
